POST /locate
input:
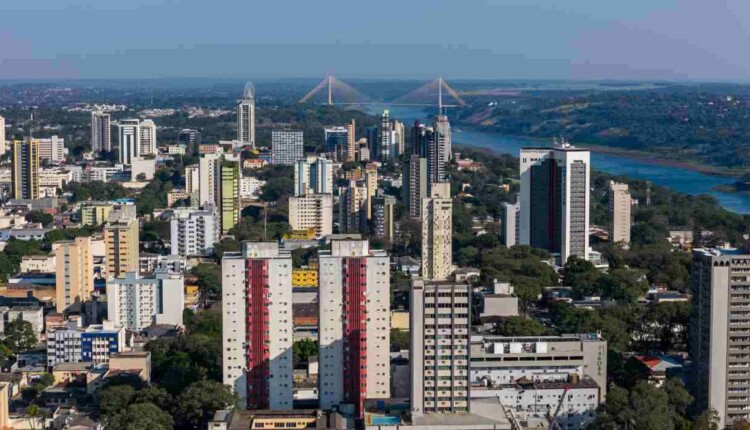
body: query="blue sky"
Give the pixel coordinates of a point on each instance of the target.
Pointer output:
(523, 39)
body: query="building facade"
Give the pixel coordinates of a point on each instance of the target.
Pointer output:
(129, 133)
(147, 139)
(509, 224)
(619, 213)
(246, 116)
(136, 302)
(75, 343)
(312, 211)
(74, 278)
(52, 149)
(382, 217)
(95, 213)
(25, 169)
(194, 231)
(313, 175)
(337, 142)
(257, 320)
(101, 139)
(437, 233)
(287, 146)
(121, 239)
(229, 207)
(353, 204)
(354, 333)
(414, 186)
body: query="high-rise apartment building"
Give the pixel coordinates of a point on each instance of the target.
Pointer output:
(74, 279)
(384, 150)
(25, 169)
(352, 214)
(147, 140)
(414, 184)
(437, 233)
(619, 213)
(313, 175)
(194, 231)
(189, 137)
(354, 325)
(312, 211)
(718, 333)
(121, 240)
(371, 182)
(382, 217)
(2, 136)
(509, 224)
(337, 142)
(100, 132)
(257, 321)
(208, 168)
(192, 183)
(246, 115)
(287, 146)
(436, 141)
(439, 329)
(229, 205)
(399, 138)
(554, 201)
(351, 144)
(51, 149)
(136, 302)
(129, 132)
(443, 132)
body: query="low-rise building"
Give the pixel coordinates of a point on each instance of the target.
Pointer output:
(137, 302)
(38, 263)
(75, 343)
(304, 277)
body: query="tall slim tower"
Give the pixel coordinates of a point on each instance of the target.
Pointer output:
(147, 138)
(121, 240)
(353, 200)
(100, 132)
(25, 165)
(257, 320)
(313, 175)
(351, 148)
(246, 115)
(443, 131)
(353, 325)
(2, 136)
(230, 194)
(75, 273)
(436, 141)
(130, 140)
(437, 233)
(619, 213)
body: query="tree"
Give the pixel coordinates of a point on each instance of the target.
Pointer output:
(708, 420)
(198, 402)
(209, 277)
(34, 416)
(519, 326)
(582, 276)
(304, 349)
(399, 339)
(741, 425)
(40, 218)
(277, 188)
(115, 399)
(141, 416)
(19, 335)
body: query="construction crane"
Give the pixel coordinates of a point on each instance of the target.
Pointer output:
(553, 419)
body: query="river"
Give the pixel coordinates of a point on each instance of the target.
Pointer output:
(679, 179)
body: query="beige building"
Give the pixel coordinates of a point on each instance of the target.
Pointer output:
(75, 273)
(121, 240)
(619, 213)
(437, 233)
(353, 201)
(137, 362)
(371, 182)
(312, 211)
(38, 263)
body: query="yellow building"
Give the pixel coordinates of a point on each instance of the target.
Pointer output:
(4, 404)
(192, 297)
(121, 241)
(400, 320)
(25, 169)
(308, 234)
(304, 278)
(96, 213)
(74, 280)
(230, 195)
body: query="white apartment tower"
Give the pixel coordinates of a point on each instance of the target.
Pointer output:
(194, 231)
(136, 302)
(2, 136)
(148, 138)
(208, 171)
(100, 137)
(439, 324)
(129, 132)
(257, 321)
(354, 327)
(619, 213)
(313, 175)
(554, 201)
(312, 211)
(443, 136)
(246, 116)
(509, 224)
(437, 233)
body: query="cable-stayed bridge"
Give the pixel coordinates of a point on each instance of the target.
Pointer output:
(332, 91)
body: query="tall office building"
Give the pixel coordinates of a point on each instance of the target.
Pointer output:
(353, 200)
(74, 280)
(51, 149)
(373, 142)
(509, 224)
(385, 137)
(436, 140)
(555, 200)
(313, 175)
(246, 115)
(147, 139)
(437, 233)
(351, 143)
(229, 205)
(337, 142)
(189, 137)
(121, 241)
(443, 132)
(287, 146)
(439, 328)
(718, 333)
(194, 231)
(619, 213)
(25, 169)
(2, 136)
(136, 302)
(129, 132)
(399, 138)
(382, 217)
(100, 132)
(312, 212)
(257, 321)
(354, 325)
(414, 184)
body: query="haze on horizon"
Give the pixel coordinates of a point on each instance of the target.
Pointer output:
(458, 39)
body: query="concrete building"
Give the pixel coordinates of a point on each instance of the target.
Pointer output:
(382, 217)
(2, 136)
(354, 299)
(382, 148)
(509, 224)
(251, 187)
(37, 263)
(95, 213)
(52, 149)
(25, 169)
(440, 324)
(121, 238)
(443, 137)
(33, 315)
(619, 213)
(371, 182)
(136, 302)
(313, 175)
(257, 321)
(194, 231)
(352, 213)
(229, 189)
(74, 281)
(142, 166)
(189, 137)
(414, 187)
(399, 138)
(437, 233)
(147, 140)
(129, 132)
(718, 333)
(75, 343)
(554, 212)
(287, 146)
(100, 132)
(208, 179)
(351, 145)
(192, 179)
(312, 211)
(246, 116)
(337, 143)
